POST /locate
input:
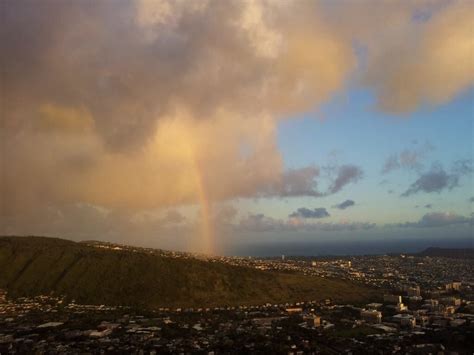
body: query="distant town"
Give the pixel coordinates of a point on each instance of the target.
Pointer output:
(425, 306)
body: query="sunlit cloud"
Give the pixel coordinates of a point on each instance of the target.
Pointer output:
(137, 106)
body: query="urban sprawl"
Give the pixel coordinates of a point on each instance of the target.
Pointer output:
(426, 306)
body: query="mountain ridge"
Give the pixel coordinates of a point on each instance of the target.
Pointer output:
(40, 265)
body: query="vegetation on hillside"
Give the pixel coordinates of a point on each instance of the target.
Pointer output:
(37, 265)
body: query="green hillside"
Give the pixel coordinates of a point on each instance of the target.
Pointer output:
(36, 265)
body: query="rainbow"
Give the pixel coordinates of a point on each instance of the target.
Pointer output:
(207, 227)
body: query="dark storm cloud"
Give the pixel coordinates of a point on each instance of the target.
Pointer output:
(345, 204)
(304, 212)
(429, 205)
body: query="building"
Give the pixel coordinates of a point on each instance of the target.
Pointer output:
(371, 316)
(294, 310)
(375, 306)
(449, 310)
(394, 299)
(423, 320)
(457, 322)
(401, 307)
(451, 301)
(405, 320)
(453, 286)
(415, 298)
(431, 302)
(413, 291)
(313, 321)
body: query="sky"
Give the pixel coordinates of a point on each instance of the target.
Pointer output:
(239, 127)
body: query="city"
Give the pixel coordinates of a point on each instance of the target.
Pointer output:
(237, 177)
(425, 305)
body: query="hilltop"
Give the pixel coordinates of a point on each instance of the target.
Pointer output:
(94, 274)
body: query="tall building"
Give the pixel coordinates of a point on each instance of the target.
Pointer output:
(401, 307)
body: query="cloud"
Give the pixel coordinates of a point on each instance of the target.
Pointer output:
(298, 182)
(172, 217)
(262, 223)
(391, 163)
(437, 179)
(462, 167)
(346, 174)
(305, 181)
(83, 221)
(148, 108)
(429, 205)
(121, 104)
(342, 226)
(438, 219)
(411, 159)
(471, 199)
(304, 212)
(424, 62)
(226, 214)
(345, 204)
